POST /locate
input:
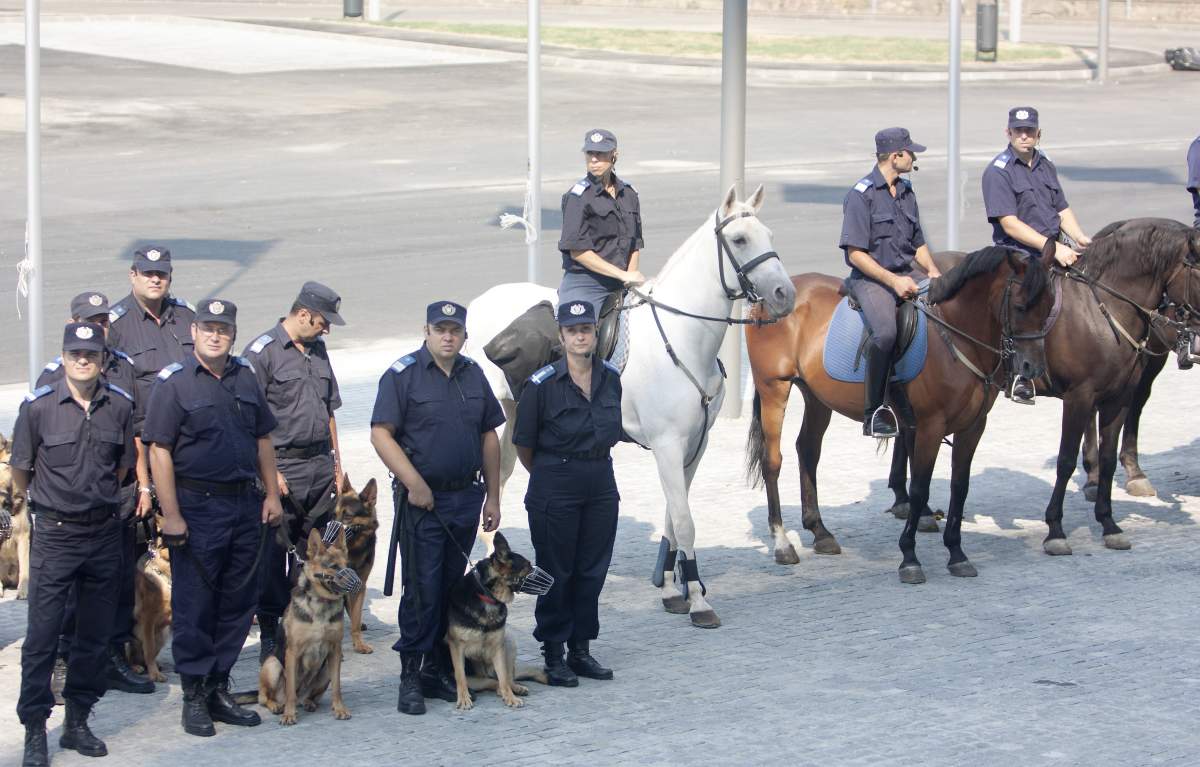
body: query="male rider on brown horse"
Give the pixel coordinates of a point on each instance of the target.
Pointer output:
(882, 236)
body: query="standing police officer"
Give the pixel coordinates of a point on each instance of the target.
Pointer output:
(207, 428)
(566, 424)
(881, 237)
(601, 239)
(75, 437)
(293, 368)
(1193, 183)
(434, 428)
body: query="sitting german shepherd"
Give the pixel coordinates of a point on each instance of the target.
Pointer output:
(310, 637)
(14, 552)
(151, 609)
(477, 614)
(356, 511)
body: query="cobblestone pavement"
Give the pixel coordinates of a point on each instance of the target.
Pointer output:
(1078, 660)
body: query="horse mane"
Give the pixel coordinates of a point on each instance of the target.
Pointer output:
(688, 244)
(985, 261)
(1138, 246)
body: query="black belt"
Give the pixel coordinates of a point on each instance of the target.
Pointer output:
(586, 455)
(215, 488)
(90, 517)
(309, 451)
(453, 484)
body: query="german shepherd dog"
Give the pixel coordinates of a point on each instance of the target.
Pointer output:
(310, 638)
(14, 552)
(356, 511)
(151, 609)
(477, 614)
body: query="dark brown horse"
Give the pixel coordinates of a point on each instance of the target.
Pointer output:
(995, 296)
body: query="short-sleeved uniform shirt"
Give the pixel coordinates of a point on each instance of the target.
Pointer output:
(300, 387)
(610, 225)
(74, 455)
(151, 344)
(210, 425)
(1032, 193)
(116, 369)
(556, 419)
(1193, 182)
(888, 228)
(439, 420)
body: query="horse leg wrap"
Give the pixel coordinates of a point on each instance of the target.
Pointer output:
(688, 571)
(664, 564)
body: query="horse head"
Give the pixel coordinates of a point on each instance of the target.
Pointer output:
(744, 243)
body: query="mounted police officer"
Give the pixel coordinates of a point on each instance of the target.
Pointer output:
(207, 428)
(293, 368)
(881, 238)
(434, 428)
(1193, 182)
(601, 239)
(567, 421)
(72, 446)
(1026, 206)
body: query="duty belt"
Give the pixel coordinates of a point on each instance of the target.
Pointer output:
(215, 488)
(586, 455)
(453, 484)
(92, 516)
(308, 451)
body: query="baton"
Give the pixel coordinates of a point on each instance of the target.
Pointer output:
(399, 501)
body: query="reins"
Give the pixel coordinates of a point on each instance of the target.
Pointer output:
(1153, 317)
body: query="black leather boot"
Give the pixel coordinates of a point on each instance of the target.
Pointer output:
(878, 418)
(77, 736)
(411, 700)
(121, 676)
(196, 719)
(223, 708)
(558, 673)
(35, 744)
(582, 663)
(435, 681)
(267, 629)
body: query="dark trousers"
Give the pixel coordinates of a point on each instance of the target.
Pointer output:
(440, 563)
(879, 304)
(307, 479)
(209, 628)
(572, 507)
(64, 556)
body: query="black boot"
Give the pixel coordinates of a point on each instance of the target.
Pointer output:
(435, 682)
(76, 734)
(121, 676)
(411, 700)
(558, 673)
(268, 626)
(582, 663)
(35, 744)
(223, 708)
(196, 719)
(878, 418)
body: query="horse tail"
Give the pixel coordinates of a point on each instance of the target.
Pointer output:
(756, 445)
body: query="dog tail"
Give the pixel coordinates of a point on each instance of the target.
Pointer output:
(246, 698)
(532, 674)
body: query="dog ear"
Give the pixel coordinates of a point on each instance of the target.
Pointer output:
(345, 487)
(314, 543)
(501, 545)
(369, 493)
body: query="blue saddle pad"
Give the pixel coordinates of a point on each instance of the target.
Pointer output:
(841, 348)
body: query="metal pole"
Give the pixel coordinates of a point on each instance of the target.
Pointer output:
(733, 168)
(534, 215)
(1014, 21)
(374, 12)
(1128, 8)
(1102, 47)
(953, 203)
(33, 183)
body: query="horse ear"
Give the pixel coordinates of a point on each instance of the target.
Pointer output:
(1018, 262)
(756, 200)
(730, 199)
(1048, 251)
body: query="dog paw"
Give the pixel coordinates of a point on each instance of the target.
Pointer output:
(341, 712)
(309, 705)
(288, 719)
(363, 648)
(512, 702)
(520, 689)
(22, 593)
(465, 703)
(159, 676)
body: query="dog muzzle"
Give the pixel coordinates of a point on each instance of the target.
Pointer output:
(332, 528)
(5, 525)
(344, 581)
(538, 582)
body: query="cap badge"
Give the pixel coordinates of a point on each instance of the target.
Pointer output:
(153, 255)
(1022, 114)
(216, 307)
(448, 310)
(597, 138)
(95, 300)
(577, 309)
(84, 334)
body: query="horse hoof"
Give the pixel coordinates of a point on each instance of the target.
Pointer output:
(1140, 487)
(1056, 547)
(827, 545)
(927, 524)
(1117, 541)
(787, 556)
(912, 574)
(1090, 492)
(899, 511)
(705, 619)
(962, 569)
(676, 605)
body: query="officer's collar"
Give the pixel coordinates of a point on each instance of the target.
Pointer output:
(1037, 156)
(561, 370)
(64, 392)
(198, 367)
(281, 334)
(427, 361)
(877, 179)
(168, 306)
(618, 184)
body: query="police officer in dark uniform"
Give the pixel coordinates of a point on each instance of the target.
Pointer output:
(434, 428)
(602, 228)
(1193, 183)
(72, 444)
(293, 368)
(207, 429)
(881, 238)
(567, 422)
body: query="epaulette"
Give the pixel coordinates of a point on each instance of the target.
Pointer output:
(399, 365)
(542, 374)
(121, 355)
(631, 186)
(261, 342)
(608, 364)
(169, 371)
(116, 312)
(580, 187)
(243, 362)
(1001, 160)
(52, 365)
(119, 390)
(863, 185)
(468, 360)
(40, 391)
(183, 303)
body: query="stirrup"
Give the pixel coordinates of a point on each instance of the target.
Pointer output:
(871, 423)
(1012, 391)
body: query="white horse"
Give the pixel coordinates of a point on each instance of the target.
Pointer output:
(728, 257)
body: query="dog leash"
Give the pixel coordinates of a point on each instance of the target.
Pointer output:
(174, 542)
(537, 583)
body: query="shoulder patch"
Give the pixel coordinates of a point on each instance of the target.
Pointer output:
(183, 303)
(40, 391)
(169, 371)
(117, 311)
(1001, 160)
(542, 374)
(53, 365)
(261, 342)
(468, 360)
(580, 187)
(608, 364)
(399, 365)
(121, 355)
(863, 185)
(243, 362)
(119, 390)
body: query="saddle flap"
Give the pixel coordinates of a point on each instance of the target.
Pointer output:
(610, 320)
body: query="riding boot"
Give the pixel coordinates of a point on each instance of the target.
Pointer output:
(122, 677)
(435, 682)
(558, 673)
(196, 719)
(223, 708)
(878, 419)
(36, 754)
(582, 663)
(268, 627)
(1022, 391)
(77, 736)
(411, 700)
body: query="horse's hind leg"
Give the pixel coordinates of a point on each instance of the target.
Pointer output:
(1136, 482)
(965, 443)
(1112, 418)
(1077, 409)
(808, 450)
(924, 449)
(773, 398)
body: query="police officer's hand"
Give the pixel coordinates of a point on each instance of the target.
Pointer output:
(420, 496)
(1064, 255)
(491, 515)
(634, 278)
(145, 505)
(905, 287)
(282, 482)
(272, 510)
(172, 525)
(1084, 241)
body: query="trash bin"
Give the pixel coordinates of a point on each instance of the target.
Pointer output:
(352, 8)
(986, 31)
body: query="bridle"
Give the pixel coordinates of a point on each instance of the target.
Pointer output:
(747, 290)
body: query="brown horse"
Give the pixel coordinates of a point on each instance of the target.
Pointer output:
(947, 397)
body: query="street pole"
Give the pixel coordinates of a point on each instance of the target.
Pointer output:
(374, 12)
(953, 204)
(1014, 21)
(534, 194)
(33, 184)
(1102, 46)
(733, 170)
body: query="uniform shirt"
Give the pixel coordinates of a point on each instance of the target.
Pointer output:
(554, 418)
(886, 227)
(594, 220)
(438, 419)
(151, 345)
(1193, 183)
(300, 387)
(1032, 193)
(210, 425)
(74, 455)
(116, 369)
